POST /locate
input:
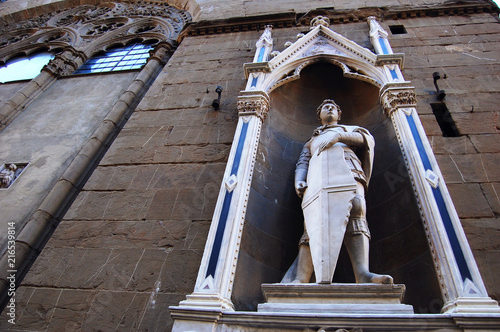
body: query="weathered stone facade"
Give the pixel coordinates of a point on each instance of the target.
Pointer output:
(127, 166)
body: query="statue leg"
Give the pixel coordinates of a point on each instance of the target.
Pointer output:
(357, 242)
(358, 247)
(305, 265)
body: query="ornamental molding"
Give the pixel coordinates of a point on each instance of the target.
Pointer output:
(292, 19)
(93, 22)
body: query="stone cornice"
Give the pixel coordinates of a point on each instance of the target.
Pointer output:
(293, 19)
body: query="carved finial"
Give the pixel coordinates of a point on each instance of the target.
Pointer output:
(266, 35)
(320, 20)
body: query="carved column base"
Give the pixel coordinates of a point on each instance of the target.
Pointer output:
(472, 305)
(334, 299)
(206, 302)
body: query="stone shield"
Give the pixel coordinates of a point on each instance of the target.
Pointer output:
(326, 205)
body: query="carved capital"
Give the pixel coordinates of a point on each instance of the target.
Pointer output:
(162, 52)
(66, 62)
(257, 105)
(394, 99)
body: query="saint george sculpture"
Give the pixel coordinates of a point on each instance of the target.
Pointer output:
(331, 177)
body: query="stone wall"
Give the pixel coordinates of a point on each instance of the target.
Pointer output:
(131, 244)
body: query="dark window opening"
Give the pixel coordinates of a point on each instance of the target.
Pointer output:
(397, 29)
(444, 120)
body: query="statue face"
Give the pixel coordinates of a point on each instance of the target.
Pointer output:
(329, 114)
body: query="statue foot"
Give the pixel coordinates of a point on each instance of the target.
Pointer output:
(373, 278)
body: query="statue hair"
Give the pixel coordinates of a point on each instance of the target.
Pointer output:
(328, 101)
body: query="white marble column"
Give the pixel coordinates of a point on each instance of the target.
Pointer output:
(215, 280)
(461, 284)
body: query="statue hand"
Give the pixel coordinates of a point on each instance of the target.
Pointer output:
(300, 188)
(325, 145)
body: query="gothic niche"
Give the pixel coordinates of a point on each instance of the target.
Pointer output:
(274, 220)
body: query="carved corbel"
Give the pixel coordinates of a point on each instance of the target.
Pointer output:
(257, 105)
(66, 62)
(392, 99)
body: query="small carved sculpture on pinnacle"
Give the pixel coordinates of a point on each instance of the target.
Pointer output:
(320, 20)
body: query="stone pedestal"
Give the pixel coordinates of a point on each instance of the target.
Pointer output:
(334, 298)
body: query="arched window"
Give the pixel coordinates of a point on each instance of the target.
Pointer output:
(24, 67)
(132, 56)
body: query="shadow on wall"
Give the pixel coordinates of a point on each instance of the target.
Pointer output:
(274, 221)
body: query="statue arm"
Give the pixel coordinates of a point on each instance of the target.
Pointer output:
(351, 139)
(301, 170)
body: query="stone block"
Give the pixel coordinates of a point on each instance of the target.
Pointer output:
(128, 205)
(180, 271)
(189, 204)
(23, 294)
(114, 273)
(490, 162)
(162, 205)
(144, 176)
(147, 270)
(125, 155)
(100, 179)
(49, 267)
(462, 168)
(197, 235)
(430, 125)
(452, 145)
(487, 143)
(187, 175)
(482, 234)
(192, 153)
(70, 310)
(38, 310)
(157, 316)
(115, 311)
(492, 193)
(85, 268)
(476, 123)
(469, 200)
(144, 234)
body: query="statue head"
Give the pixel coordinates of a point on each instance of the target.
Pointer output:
(325, 104)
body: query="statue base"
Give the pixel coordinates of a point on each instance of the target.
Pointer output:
(334, 298)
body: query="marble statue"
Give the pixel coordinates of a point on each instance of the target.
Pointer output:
(331, 177)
